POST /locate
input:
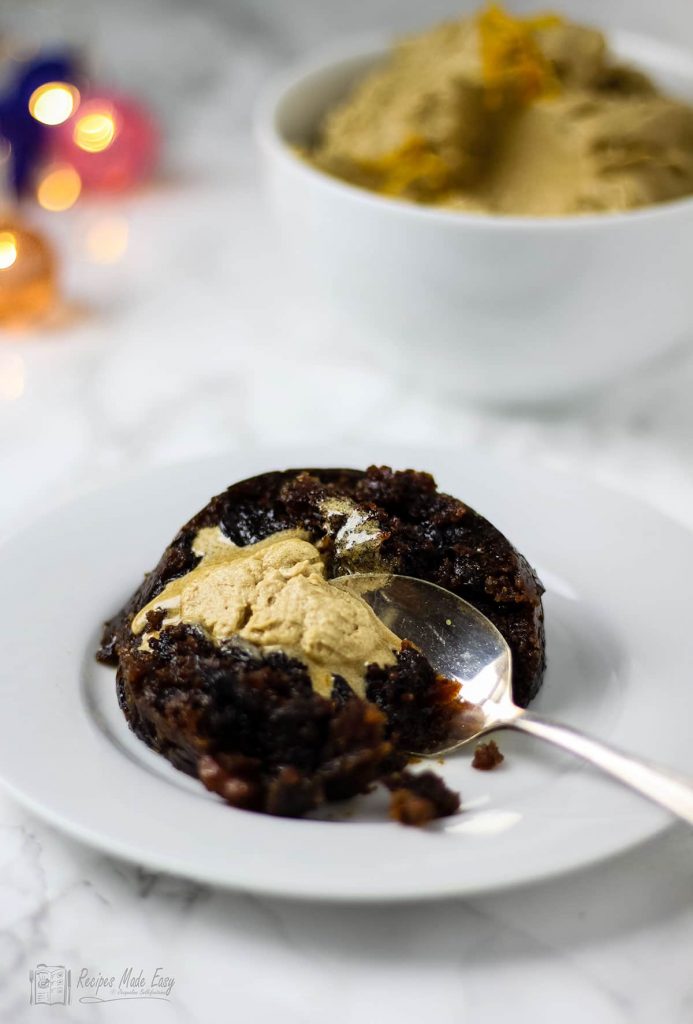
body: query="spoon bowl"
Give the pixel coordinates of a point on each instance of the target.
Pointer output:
(457, 639)
(463, 644)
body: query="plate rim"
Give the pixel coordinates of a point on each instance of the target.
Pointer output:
(97, 843)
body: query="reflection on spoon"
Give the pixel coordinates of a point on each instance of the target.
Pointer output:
(464, 645)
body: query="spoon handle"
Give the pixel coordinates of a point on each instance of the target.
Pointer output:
(659, 784)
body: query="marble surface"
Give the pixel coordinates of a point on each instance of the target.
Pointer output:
(192, 339)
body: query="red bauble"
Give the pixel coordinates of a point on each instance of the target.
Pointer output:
(111, 141)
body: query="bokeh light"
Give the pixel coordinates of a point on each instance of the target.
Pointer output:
(95, 132)
(59, 188)
(53, 102)
(8, 249)
(112, 142)
(107, 240)
(28, 285)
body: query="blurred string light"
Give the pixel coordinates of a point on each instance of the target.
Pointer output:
(59, 188)
(53, 102)
(12, 376)
(27, 274)
(95, 132)
(56, 142)
(38, 95)
(8, 249)
(111, 141)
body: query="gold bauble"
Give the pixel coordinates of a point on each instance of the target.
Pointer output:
(28, 286)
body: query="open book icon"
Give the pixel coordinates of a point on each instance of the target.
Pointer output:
(50, 985)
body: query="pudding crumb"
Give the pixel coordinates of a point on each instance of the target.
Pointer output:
(419, 798)
(487, 756)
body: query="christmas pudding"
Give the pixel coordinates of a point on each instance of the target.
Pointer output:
(241, 662)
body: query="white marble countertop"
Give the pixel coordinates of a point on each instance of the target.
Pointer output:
(184, 347)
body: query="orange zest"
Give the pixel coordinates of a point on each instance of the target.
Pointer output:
(514, 68)
(413, 165)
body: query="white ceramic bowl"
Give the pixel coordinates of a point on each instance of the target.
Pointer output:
(499, 309)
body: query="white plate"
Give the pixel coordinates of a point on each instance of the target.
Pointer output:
(620, 649)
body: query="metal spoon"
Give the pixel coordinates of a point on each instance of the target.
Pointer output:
(464, 645)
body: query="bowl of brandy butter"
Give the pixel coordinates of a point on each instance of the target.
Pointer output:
(503, 305)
